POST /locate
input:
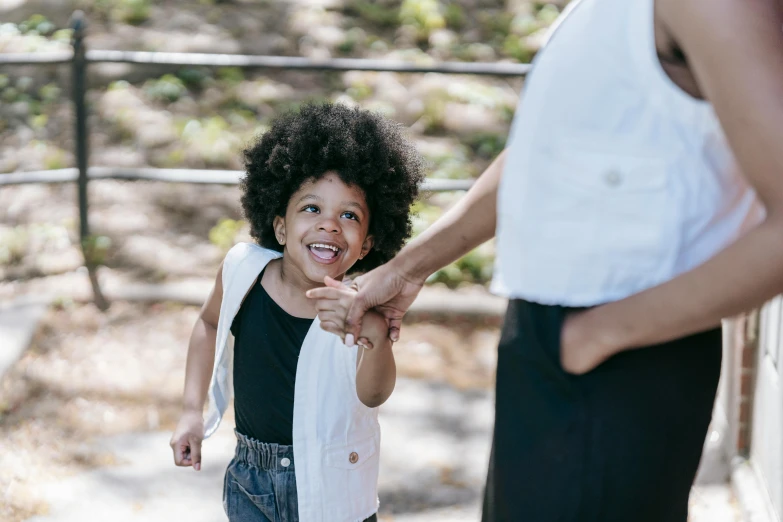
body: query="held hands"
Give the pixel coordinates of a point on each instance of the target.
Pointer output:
(186, 441)
(384, 289)
(334, 301)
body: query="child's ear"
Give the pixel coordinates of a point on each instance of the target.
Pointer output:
(279, 226)
(366, 246)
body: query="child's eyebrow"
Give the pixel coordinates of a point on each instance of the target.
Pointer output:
(353, 204)
(308, 197)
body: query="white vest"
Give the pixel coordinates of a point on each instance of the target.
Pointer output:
(615, 180)
(336, 437)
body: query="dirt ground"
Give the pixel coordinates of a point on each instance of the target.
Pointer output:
(90, 375)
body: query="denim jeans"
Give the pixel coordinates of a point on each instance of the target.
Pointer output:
(260, 483)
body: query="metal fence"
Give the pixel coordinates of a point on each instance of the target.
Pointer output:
(80, 57)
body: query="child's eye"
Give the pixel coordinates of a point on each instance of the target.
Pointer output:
(350, 215)
(310, 208)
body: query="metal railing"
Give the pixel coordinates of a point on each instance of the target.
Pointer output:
(79, 58)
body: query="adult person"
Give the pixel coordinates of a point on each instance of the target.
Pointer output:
(638, 202)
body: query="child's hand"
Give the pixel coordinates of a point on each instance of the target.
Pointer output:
(186, 441)
(333, 302)
(374, 326)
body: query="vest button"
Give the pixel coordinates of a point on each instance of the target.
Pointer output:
(285, 462)
(613, 178)
(353, 458)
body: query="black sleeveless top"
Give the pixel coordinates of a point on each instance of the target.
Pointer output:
(266, 351)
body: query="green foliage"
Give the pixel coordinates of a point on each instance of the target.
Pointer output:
(96, 249)
(223, 235)
(434, 114)
(496, 25)
(133, 12)
(487, 145)
(515, 47)
(359, 91)
(473, 268)
(39, 121)
(424, 16)
(13, 245)
(454, 165)
(547, 13)
(231, 75)
(195, 78)
(525, 25)
(213, 140)
(55, 158)
(49, 93)
(455, 16)
(37, 24)
(354, 37)
(166, 89)
(63, 35)
(380, 13)
(118, 85)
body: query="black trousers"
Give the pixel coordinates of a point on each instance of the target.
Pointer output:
(619, 444)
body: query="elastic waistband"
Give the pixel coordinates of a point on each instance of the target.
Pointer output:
(272, 457)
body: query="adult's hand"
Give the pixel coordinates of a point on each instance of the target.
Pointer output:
(582, 347)
(388, 291)
(385, 289)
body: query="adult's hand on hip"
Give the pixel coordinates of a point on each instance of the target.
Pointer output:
(582, 347)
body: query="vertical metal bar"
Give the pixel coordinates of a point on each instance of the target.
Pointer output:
(78, 88)
(78, 67)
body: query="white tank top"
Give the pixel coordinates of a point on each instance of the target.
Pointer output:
(615, 180)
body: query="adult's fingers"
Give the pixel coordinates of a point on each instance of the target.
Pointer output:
(195, 452)
(394, 329)
(353, 321)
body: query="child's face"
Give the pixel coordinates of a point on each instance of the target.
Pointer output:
(325, 228)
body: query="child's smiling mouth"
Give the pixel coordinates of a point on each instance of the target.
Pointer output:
(325, 253)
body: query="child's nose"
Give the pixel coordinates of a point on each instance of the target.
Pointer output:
(330, 225)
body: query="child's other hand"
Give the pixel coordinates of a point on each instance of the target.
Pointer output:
(186, 441)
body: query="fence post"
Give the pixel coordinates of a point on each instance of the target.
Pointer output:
(78, 88)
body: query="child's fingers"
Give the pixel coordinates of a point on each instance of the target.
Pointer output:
(331, 305)
(332, 328)
(326, 292)
(181, 453)
(333, 283)
(332, 316)
(195, 452)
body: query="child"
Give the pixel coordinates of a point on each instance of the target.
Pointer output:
(327, 191)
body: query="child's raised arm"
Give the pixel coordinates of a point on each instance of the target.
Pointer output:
(376, 371)
(186, 441)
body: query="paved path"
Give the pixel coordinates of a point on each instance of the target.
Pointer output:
(18, 323)
(435, 449)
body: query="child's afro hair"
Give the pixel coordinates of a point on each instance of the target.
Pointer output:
(365, 149)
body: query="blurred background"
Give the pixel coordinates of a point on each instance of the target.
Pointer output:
(95, 314)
